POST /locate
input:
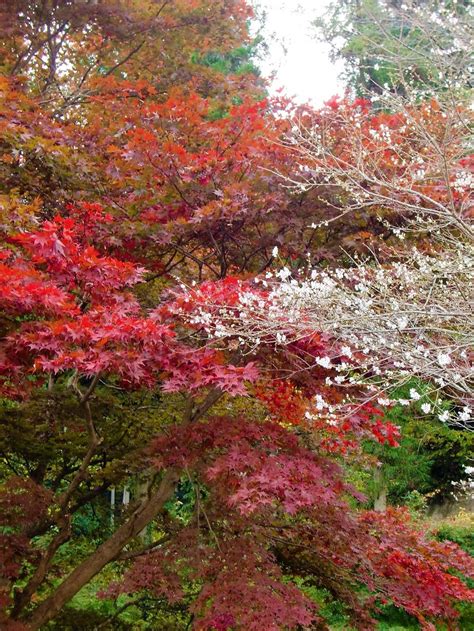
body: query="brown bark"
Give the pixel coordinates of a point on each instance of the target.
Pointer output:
(105, 553)
(23, 598)
(110, 550)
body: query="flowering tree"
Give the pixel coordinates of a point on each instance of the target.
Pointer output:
(387, 324)
(401, 154)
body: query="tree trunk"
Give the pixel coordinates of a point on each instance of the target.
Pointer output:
(380, 502)
(151, 506)
(105, 553)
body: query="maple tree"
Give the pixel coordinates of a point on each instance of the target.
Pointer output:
(140, 188)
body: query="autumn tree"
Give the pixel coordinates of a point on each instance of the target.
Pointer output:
(141, 184)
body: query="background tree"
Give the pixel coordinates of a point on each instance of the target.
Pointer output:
(397, 46)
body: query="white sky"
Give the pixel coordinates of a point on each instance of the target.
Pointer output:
(304, 71)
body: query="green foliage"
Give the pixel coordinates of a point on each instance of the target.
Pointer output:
(394, 619)
(93, 520)
(91, 613)
(182, 505)
(459, 529)
(416, 502)
(238, 61)
(387, 45)
(90, 610)
(45, 438)
(217, 113)
(431, 459)
(331, 609)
